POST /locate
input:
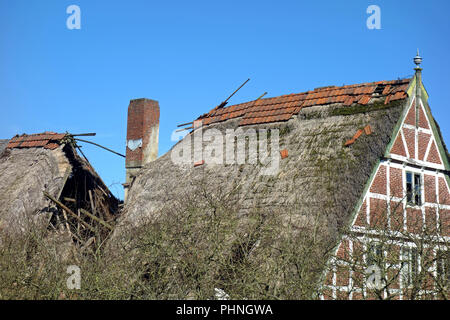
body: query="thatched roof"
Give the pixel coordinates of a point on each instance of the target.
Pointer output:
(282, 108)
(321, 175)
(32, 164)
(24, 174)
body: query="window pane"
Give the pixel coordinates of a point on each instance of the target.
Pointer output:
(406, 266)
(417, 180)
(447, 265)
(374, 254)
(409, 177)
(414, 262)
(370, 255)
(442, 266)
(409, 192)
(417, 189)
(410, 265)
(379, 252)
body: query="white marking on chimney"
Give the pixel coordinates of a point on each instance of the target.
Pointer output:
(134, 144)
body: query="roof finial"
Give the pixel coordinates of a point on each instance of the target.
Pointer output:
(418, 76)
(417, 60)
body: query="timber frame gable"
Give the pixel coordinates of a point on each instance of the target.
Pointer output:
(401, 219)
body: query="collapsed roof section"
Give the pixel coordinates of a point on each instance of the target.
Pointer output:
(47, 184)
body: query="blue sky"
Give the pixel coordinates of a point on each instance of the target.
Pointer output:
(190, 55)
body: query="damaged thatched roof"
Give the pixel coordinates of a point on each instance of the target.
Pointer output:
(321, 174)
(32, 164)
(282, 108)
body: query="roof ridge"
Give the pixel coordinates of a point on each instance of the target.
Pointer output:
(330, 88)
(262, 110)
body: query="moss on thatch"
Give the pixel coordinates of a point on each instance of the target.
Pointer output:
(357, 108)
(319, 177)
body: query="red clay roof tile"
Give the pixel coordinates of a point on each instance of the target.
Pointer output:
(199, 163)
(282, 108)
(388, 99)
(349, 142)
(368, 129)
(386, 90)
(364, 100)
(48, 140)
(358, 134)
(348, 101)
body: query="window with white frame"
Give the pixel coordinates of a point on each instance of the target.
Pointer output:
(374, 254)
(410, 265)
(414, 188)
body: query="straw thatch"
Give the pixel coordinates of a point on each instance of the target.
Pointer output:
(320, 177)
(309, 199)
(24, 174)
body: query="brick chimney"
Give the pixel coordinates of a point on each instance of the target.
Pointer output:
(142, 137)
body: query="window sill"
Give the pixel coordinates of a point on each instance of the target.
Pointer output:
(414, 206)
